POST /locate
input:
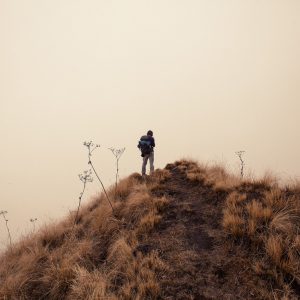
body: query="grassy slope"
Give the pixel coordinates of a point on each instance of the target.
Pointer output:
(188, 232)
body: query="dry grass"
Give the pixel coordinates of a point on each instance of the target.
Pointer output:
(214, 175)
(233, 220)
(267, 218)
(275, 248)
(161, 175)
(261, 214)
(233, 223)
(89, 285)
(124, 187)
(101, 257)
(97, 260)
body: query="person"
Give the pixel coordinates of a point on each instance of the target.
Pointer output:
(146, 145)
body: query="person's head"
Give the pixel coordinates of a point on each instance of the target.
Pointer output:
(150, 132)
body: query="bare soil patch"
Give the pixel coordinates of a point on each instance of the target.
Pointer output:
(190, 239)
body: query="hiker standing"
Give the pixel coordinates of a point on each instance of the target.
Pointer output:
(146, 145)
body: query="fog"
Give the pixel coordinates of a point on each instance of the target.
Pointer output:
(208, 77)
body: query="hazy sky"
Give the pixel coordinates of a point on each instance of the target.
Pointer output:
(209, 77)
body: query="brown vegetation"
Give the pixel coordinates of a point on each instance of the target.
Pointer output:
(189, 231)
(94, 260)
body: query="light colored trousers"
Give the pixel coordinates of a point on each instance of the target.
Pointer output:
(145, 160)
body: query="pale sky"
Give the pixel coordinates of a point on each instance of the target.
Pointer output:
(209, 77)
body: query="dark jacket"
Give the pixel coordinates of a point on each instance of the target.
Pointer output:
(148, 138)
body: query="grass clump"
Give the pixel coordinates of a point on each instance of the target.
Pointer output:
(95, 259)
(266, 218)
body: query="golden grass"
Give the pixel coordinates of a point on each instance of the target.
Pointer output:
(124, 187)
(99, 258)
(235, 199)
(96, 260)
(89, 285)
(268, 218)
(233, 223)
(214, 175)
(275, 199)
(274, 248)
(161, 175)
(259, 212)
(282, 221)
(148, 222)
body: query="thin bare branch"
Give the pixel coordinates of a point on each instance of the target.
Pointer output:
(91, 147)
(240, 155)
(3, 213)
(85, 178)
(117, 154)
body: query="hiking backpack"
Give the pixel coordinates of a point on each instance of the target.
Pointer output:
(145, 145)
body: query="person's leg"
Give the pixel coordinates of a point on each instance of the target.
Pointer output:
(151, 160)
(145, 160)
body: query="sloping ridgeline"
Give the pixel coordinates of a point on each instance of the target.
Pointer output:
(188, 232)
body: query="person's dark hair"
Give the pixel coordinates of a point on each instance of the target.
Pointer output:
(150, 132)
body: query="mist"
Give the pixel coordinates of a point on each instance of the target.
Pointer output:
(209, 78)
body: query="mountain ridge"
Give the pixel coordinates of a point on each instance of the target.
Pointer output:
(188, 231)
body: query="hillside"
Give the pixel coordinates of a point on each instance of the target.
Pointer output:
(188, 232)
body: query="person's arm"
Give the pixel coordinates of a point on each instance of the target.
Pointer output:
(153, 142)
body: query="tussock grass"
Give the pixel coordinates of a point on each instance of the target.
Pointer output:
(214, 175)
(102, 257)
(233, 223)
(89, 285)
(161, 175)
(262, 215)
(125, 186)
(267, 217)
(95, 260)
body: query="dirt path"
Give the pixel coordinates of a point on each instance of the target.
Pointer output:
(190, 239)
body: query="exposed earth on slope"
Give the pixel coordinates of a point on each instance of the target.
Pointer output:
(188, 231)
(204, 263)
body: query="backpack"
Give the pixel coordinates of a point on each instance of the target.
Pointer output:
(145, 145)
